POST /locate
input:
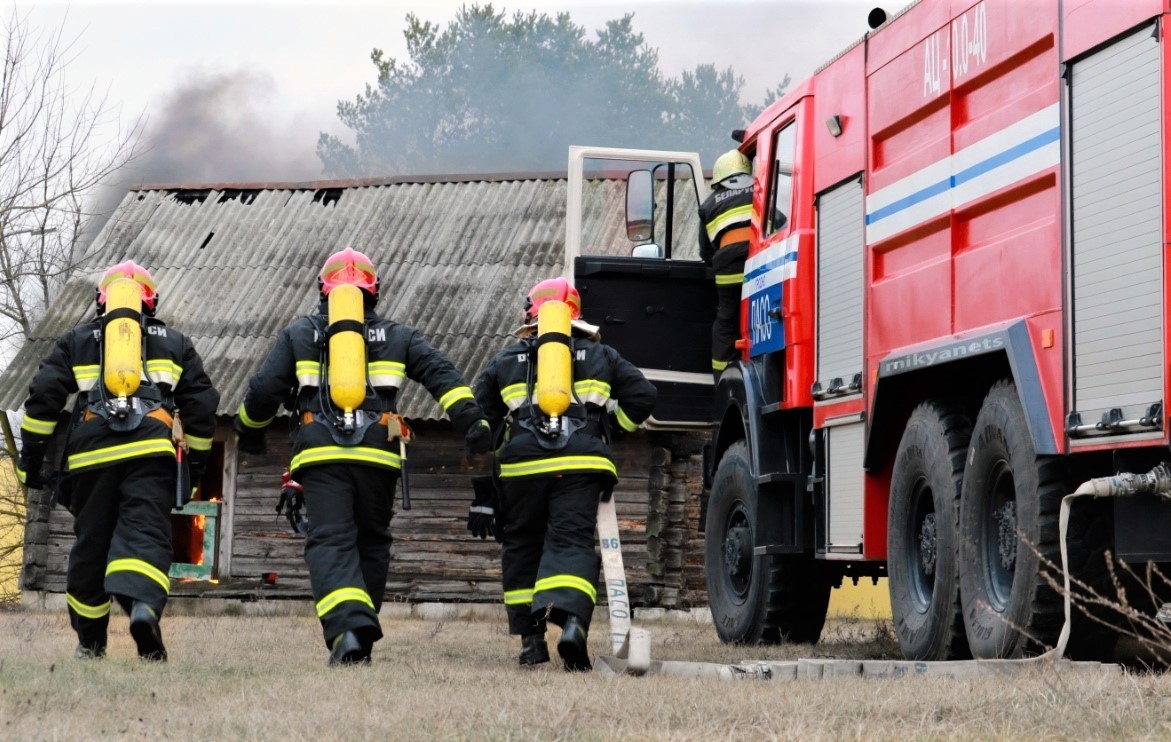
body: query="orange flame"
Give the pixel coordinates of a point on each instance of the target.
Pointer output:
(199, 525)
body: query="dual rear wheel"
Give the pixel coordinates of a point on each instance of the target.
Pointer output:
(973, 533)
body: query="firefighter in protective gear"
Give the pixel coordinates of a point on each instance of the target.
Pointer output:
(120, 468)
(725, 219)
(551, 476)
(348, 461)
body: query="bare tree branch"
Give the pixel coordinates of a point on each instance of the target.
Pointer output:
(57, 145)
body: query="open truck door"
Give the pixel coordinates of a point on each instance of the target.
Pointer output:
(632, 250)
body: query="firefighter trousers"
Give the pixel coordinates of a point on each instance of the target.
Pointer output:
(122, 520)
(349, 507)
(548, 562)
(726, 328)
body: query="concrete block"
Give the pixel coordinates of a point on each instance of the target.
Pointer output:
(784, 670)
(841, 669)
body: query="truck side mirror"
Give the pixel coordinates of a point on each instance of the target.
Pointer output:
(647, 250)
(640, 205)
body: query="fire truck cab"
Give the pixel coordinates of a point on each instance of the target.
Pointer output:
(961, 316)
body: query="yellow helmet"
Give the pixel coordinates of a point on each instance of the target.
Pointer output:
(732, 162)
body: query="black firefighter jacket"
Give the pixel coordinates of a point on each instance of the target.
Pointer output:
(293, 371)
(170, 364)
(724, 219)
(602, 380)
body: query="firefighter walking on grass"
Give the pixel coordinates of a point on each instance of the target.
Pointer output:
(725, 227)
(342, 367)
(133, 375)
(554, 469)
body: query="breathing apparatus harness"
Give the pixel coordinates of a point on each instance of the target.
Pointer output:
(552, 432)
(346, 429)
(124, 414)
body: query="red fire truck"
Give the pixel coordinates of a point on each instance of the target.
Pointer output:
(961, 316)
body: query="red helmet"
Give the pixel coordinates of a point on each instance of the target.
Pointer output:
(348, 266)
(135, 272)
(556, 289)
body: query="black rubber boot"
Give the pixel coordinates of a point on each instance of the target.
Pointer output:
(533, 650)
(144, 627)
(347, 649)
(572, 646)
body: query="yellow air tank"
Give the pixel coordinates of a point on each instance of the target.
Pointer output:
(347, 349)
(554, 363)
(122, 339)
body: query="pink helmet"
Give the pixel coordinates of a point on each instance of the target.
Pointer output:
(348, 266)
(135, 272)
(555, 289)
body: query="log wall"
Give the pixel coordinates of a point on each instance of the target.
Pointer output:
(433, 557)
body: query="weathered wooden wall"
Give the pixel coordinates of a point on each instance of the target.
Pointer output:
(433, 557)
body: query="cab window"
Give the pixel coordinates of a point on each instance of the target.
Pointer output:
(780, 187)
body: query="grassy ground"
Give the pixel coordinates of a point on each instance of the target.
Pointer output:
(238, 677)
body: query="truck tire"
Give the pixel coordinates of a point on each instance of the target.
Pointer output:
(755, 599)
(1008, 521)
(922, 535)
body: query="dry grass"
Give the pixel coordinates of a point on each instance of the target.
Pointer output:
(236, 677)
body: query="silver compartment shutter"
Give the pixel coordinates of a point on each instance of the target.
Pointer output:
(1116, 190)
(840, 250)
(844, 486)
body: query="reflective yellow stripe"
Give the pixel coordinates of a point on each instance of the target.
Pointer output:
(309, 367)
(87, 611)
(249, 422)
(342, 595)
(591, 385)
(571, 581)
(390, 368)
(21, 475)
(85, 377)
(455, 395)
(164, 366)
(119, 452)
(738, 215)
(593, 391)
(38, 427)
(518, 597)
(627, 424)
(195, 443)
(362, 454)
(142, 568)
(386, 373)
(558, 464)
(729, 279)
(719, 365)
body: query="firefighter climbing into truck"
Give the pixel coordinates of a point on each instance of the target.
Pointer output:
(962, 318)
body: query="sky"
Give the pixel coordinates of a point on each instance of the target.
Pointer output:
(240, 90)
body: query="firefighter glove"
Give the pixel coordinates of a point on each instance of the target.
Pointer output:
(249, 440)
(482, 515)
(32, 458)
(615, 429)
(478, 438)
(292, 493)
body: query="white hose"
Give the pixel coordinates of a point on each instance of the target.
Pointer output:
(1119, 485)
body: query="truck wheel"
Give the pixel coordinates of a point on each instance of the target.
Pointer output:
(922, 540)
(755, 599)
(737, 581)
(1008, 518)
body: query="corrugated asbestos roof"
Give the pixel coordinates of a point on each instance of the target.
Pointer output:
(236, 263)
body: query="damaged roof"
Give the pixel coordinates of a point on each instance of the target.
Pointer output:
(235, 263)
